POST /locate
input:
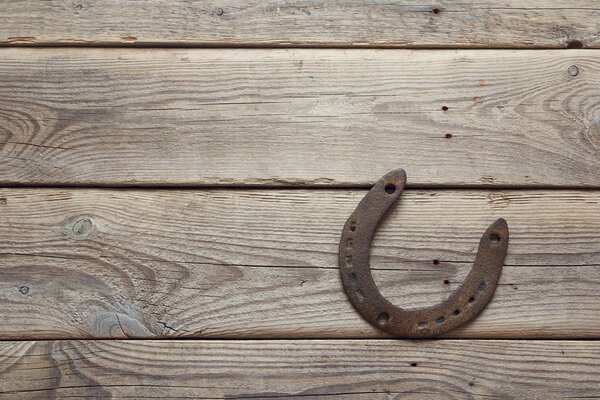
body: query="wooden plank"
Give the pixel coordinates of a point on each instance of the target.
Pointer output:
(299, 117)
(362, 369)
(397, 23)
(80, 263)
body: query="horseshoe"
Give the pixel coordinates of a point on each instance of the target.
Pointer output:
(462, 305)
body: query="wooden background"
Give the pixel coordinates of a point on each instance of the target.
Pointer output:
(176, 174)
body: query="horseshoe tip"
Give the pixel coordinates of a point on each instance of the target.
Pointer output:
(499, 227)
(398, 175)
(500, 224)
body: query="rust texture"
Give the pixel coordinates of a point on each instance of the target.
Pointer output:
(460, 307)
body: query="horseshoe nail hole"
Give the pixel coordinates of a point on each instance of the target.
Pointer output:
(444, 108)
(390, 188)
(436, 262)
(383, 318)
(360, 296)
(456, 313)
(413, 364)
(495, 239)
(349, 263)
(352, 278)
(440, 320)
(436, 10)
(422, 325)
(471, 299)
(446, 282)
(448, 136)
(481, 286)
(349, 245)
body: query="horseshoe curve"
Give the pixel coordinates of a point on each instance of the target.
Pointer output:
(461, 306)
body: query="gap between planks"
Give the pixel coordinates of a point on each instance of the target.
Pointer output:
(274, 187)
(250, 46)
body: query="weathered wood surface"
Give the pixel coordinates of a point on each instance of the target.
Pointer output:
(299, 117)
(80, 263)
(284, 369)
(398, 23)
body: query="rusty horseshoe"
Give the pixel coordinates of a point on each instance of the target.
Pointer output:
(462, 305)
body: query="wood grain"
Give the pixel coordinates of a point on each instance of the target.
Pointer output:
(361, 369)
(79, 263)
(299, 117)
(396, 23)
